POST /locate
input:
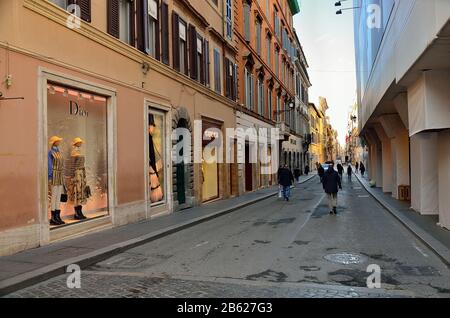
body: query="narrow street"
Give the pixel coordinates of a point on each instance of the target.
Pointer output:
(271, 249)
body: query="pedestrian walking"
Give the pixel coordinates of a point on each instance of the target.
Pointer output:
(320, 172)
(356, 167)
(340, 170)
(306, 170)
(349, 173)
(285, 179)
(362, 168)
(331, 184)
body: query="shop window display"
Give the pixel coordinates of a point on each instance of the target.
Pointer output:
(156, 157)
(77, 156)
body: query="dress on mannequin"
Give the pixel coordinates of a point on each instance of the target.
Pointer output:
(77, 179)
(55, 180)
(155, 165)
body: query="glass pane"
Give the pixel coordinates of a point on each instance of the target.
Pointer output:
(156, 128)
(76, 115)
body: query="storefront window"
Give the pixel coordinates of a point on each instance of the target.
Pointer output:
(156, 128)
(77, 155)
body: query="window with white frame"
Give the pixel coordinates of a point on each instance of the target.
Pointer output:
(60, 3)
(269, 49)
(229, 22)
(258, 36)
(152, 21)
(217, 79)
(124, 21)
(183, 46)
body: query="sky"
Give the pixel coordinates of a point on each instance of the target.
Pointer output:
(327, 41)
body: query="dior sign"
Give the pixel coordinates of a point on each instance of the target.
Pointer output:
(76, 110)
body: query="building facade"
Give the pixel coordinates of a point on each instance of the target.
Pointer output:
(402, 56)
(120, 77)
(267, 52)
(317, 147)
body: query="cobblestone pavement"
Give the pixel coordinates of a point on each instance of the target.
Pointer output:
(99, 285)
(272, 249)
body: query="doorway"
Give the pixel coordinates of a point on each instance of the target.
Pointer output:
(248, 169)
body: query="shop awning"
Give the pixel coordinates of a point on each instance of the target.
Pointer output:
(295, 7)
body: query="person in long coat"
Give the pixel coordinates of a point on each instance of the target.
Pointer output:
(285, 179)
(331, 184)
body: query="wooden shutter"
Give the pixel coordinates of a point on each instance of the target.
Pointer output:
(158, 34)
(227, 76)
(85, 6)
(142, 27)
(113, 18)
(206, 61)
(193, 51)
(133, 22)
(165, 33)
(176, 41)
(234, 82)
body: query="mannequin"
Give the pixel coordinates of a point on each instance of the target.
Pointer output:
(77, 179)
(155, 165)
(55, 179)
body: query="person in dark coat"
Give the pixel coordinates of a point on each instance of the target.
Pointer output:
(340, 170)
(285, 179)
(349, 173)
(320, 171)
(356, 167)
(331, 184)
(362, 168)
(306, 169)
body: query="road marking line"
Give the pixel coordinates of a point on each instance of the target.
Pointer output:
(201, 244)
(420, 250)
(363, 196)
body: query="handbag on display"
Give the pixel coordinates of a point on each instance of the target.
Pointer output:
(64, 196)
(87, 192)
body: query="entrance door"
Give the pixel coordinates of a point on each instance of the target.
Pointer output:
(248, 170)
(180, 172)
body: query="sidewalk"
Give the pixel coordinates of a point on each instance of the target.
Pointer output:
(30, 267)
(423, 226)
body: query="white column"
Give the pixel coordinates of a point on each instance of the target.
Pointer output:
(396, 131)
(444, 178)
(386, 154)
(424, 173)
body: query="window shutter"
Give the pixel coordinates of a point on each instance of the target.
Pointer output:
(227, 76)
(142, 26)
(206, 59)
(193, 51)
(158, 34)
(176, 41)
(165, 32)
(234, 82)
(85, 6)
(113, 18)
(133, 22)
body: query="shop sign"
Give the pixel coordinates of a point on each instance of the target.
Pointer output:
(76, 110)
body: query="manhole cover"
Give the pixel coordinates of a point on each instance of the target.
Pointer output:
(345, 258)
